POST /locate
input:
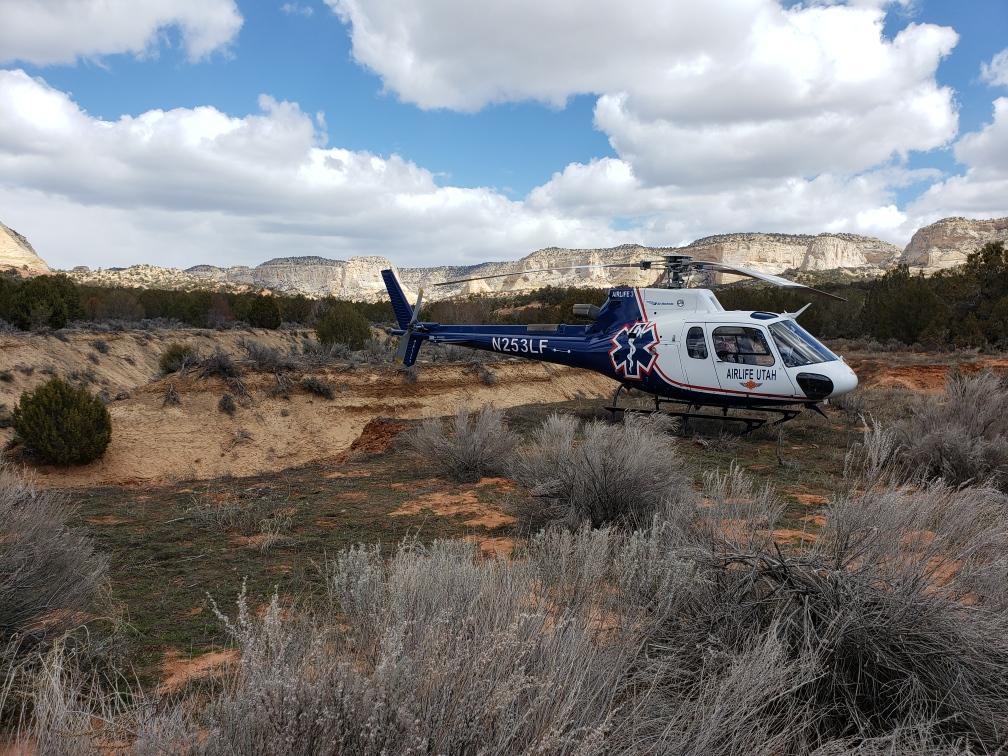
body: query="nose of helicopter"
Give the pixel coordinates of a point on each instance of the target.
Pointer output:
(831, 379)
(844, 379)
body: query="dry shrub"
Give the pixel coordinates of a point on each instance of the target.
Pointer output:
(177, 357)
(219, 364)
(264, 357)
(227, 404)
(440, 654)
(51, 578)
(574, 472)
(466, 448)
(318, 387)
(962, 435)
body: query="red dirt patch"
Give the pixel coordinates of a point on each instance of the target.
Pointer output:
(177, 672)
(376, 438)
(793, 537)
(454, 504)
(809, 500)
(815, 519)
(500, 546)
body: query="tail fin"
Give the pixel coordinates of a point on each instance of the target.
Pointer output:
(401, 307)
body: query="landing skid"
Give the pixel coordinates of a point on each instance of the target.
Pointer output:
(687, 411)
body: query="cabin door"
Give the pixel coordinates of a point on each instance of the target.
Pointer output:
(698, 358)
(746, 363)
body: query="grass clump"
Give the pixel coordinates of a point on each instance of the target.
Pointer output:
(962, 435)
(62, 424)
(177, 357)
(466, 448)
(597, 473)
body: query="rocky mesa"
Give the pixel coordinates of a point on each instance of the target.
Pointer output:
(943, 244)
(17, 255)
(360, 277)
(946, 243)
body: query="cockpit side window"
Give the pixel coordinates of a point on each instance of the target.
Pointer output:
(696, 345)
(742, 345)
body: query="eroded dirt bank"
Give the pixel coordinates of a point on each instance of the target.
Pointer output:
(193, 440)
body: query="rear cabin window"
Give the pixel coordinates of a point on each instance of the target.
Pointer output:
(696, 345)
(743, 345)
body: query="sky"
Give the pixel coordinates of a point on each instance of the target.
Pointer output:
(434, 132)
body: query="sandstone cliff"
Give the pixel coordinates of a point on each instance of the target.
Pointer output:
(946, 243)
(360, 277)
(17, 254)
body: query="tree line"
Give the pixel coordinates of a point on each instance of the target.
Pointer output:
(56, 300)
(963, 307)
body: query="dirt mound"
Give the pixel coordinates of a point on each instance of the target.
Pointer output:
(376, 438)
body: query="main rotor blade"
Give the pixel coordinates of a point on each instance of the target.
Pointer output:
(403, 346)
(769, 278)
(643, 265)
(417, 306)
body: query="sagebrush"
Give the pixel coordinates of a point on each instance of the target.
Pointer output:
(465, 448)
(962, 435)
(52, 580)
(574, 472)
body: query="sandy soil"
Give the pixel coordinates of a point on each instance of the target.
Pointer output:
(193, 440)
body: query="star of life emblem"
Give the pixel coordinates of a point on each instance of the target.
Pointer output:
(633, 354)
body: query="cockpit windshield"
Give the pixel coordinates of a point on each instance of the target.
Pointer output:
(797, 346)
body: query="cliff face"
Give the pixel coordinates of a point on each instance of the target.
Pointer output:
(946, 243)
(360, 277)
(17, 254)
(775, 253)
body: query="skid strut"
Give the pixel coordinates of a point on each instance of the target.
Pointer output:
(687, 411)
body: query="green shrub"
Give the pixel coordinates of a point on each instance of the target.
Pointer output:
(342, 324)
(176, 357)
(62, 424)
(262, 312)
(42, 301)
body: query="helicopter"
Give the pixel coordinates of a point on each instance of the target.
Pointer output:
(675, 343)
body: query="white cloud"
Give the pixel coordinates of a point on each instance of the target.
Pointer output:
(194, 185)
(982, 191)
(996, 72)
(297, 9)
(197, 185)
(62, 31)
(690, 91)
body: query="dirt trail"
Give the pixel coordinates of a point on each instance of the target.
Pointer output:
(194, 440)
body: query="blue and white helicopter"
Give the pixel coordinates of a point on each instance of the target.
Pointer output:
(675, 343)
